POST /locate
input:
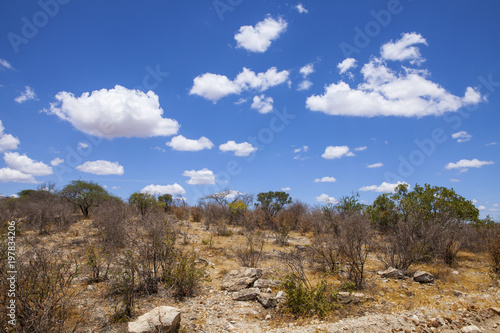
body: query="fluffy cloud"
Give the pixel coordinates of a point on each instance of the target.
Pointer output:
(326, 199)
(461, 136)
(5, 64)
(375, 165)
(27, 95)
(382, 188)
(304, 149)
(56, 161)
(7, 141)
(332, 152)
(240, 149)
(262, 104)
(304, 85)
(325, 180)
(363, 148)
(15, 176)
(259, 38)
(181, 143)
(101, 167)
(117, 112)
(286, 189)
(163, 189)
(200, 177)
(26, 165)
(214, 86)
(403, 48)
(346, 65)
(307, 70)
(301, 9)
(465, 164)
(387, 92)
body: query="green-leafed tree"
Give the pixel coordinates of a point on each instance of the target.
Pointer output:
(144, 202)
(84, 194)
(272, 202)
(166, 201)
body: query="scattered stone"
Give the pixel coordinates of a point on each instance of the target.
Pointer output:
(205, 262)
(240, 278)
(391, 273)
(471, 329)
(267, 300)
(495, 310)
(346, 298)
(280, 295)
(455, 272)
(268, 317)
(265, 283)
(458, 293)
(423, 277)
(415, 319)
(246, 294)
(161, 319)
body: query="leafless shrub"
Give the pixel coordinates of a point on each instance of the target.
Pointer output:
(250, 253)
(214, 213)
(44, 294)
(196, 213)
(494, 248)
(45, 210)
(324, 252)
(354, 239)
(112, 219)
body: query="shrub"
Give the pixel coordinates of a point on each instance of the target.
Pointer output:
(324, 252)
(251, 253)
(112, 219)
(494, 249)
(306, 300)
(96, 263)
(44, 293)
(196, 213)
(182, 275)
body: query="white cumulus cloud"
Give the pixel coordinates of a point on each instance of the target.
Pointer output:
(26, 165)
(101, 167)
(404, 49)
(7, 141)
(325, 180)
(262, 104)
(214, 86)
(326, 199)
(384, 91)
(332, 152)
(181, 143)
(117, 112)
(307, 70)
(239, 149)
(200, 177)
(461, 136)
(8, 175)
(27, 95)
(286, 189)
(304, 85)
(464, 164)
(56, 161)
(301, 9)
(163, 189)
(382, 188)
(259, 38)
(346, 65)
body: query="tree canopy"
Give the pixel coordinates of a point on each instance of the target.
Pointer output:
(84, 194)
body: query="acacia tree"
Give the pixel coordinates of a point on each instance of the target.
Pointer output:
(143, 201)
(272, 202)
(429, 222)
(167, 201)
(84, 194)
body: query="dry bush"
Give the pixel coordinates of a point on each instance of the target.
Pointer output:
(196, 213)
(214, 213)
(281, 225)
(97, 264)
(9, 209)
(44, 210)
(182, 276)
(181, 213)
(354, 240)
(250, 253)
(324, 252)
(112, 219)
(494, 248)
(44, 294)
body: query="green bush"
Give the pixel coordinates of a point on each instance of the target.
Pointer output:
(183, 277)
(306, 300)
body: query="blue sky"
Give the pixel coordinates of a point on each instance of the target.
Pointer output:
(194, 97)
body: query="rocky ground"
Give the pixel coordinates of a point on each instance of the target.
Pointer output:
(463, 298)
